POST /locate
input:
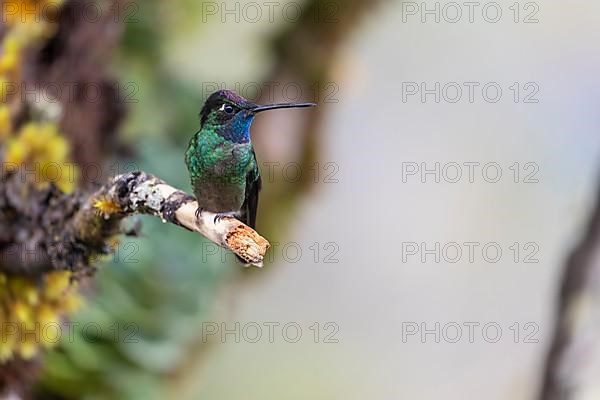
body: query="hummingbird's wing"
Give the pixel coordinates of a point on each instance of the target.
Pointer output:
(253, 186)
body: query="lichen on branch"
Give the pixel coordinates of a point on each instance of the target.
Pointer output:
(142, 193)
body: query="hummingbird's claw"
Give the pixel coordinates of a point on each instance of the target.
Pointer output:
(198, 212)
(220, 216)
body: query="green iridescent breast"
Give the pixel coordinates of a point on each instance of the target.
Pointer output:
(211, 156)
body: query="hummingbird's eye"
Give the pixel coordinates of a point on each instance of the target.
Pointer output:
(227, 108)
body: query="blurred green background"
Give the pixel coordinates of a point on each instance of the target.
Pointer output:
(141, 336)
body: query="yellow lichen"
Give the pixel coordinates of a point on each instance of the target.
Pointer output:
(7, 345)
(30, 322)
(72, 302)
(56, 284)
(28, 305)
(28, 346)
(29, 13)
(22, 312)
(8, 61)
(37, 145)
(106, 206)
(40, 149)
(5, 124)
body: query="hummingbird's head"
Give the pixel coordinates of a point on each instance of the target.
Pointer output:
(231, 115)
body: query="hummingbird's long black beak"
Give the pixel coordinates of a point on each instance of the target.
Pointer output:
(267, 107)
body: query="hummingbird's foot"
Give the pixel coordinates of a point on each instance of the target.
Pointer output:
(198, 212)
(220, 216)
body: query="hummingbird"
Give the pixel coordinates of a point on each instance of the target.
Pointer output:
(221, 161)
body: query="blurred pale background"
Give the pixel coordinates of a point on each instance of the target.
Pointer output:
(370, 293)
